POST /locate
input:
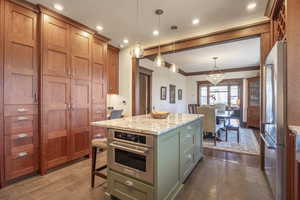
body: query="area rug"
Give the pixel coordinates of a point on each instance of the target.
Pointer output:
(248, 142)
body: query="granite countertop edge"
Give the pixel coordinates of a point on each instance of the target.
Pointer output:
(137, 130)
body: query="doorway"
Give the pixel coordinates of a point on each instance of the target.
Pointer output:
(145, 93)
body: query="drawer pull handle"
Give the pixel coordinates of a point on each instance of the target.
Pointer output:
(23, 135)
(129, 183)
(22, 154)
(22, 118)
(22, 110)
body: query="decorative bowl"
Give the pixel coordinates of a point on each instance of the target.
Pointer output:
(160, 115)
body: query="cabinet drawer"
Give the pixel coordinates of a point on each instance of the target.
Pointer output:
(20, 161)
(187, 163)
(126, 188)
(20, 124)
(21, 139)
(16, 110)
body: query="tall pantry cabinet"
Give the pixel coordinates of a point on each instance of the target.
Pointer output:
(20, 91)
(53, 83)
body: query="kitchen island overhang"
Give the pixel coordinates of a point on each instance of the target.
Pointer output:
(150, 158)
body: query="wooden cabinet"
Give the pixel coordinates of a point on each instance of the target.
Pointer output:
(73, 87)
(253, 111)
(53, 85)
(20, 91)
(99, 85)
(113, 70)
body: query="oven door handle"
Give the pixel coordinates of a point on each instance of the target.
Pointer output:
(128, 148)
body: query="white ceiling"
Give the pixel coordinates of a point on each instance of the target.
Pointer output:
(234, 54)
(118, 17)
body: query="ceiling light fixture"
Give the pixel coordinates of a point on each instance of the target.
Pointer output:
(159, 60)
(215, 76)
(137, 51)
(125, 41)
(58, 7)
(174, 67)
(251, 5)
(121, 46)
(195, 21)
(155, 32)
(99, 28)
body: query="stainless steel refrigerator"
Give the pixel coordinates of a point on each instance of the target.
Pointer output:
(274, 119)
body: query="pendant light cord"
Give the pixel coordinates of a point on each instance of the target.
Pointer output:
(159, 32)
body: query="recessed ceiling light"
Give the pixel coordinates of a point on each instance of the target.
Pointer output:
(195, 21)
(125, 41)
(251, 6)
(155, 32)
(58, 7)
(99, 28)
(121, 46)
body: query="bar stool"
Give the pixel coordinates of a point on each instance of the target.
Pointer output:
(97, 144)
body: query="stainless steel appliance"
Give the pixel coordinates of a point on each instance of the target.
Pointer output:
(274, 119)
(131, 154)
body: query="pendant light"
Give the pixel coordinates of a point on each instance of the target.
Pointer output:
(174, 67)
(159, 60)
(137, 51)
(216, 76)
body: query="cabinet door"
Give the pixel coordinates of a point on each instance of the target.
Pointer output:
(55, 121)
(113, 71)
(80, 118)
(80, 92)
(56, 47)
(20, 71)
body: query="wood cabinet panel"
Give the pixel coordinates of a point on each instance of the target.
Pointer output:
(20, 91)
(56, 45)
(20, 72)
(56, 121)
(113, 70)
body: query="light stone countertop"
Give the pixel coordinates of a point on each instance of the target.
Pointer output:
(295, 130)
(146, 124)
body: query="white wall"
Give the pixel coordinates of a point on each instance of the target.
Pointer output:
(161, 76)
(125, 74)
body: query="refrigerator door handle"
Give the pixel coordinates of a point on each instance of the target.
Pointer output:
(266, 142)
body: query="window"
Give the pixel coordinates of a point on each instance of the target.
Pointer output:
(218, 95)
(203, 95)
(234, 95)
(228, 94)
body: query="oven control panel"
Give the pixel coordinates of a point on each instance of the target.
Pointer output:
(141, 139)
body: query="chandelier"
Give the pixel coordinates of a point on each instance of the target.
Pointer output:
(137, 51)
(215, 76)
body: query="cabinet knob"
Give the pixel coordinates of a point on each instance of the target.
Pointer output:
(22, 118)
(129, 183)
(22, 154)
(22, 110)
(22, 135)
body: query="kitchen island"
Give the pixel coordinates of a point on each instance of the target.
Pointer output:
(150, 159)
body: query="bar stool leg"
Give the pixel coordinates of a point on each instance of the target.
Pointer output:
(238, 135)
(94, 156)
(226, 132)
